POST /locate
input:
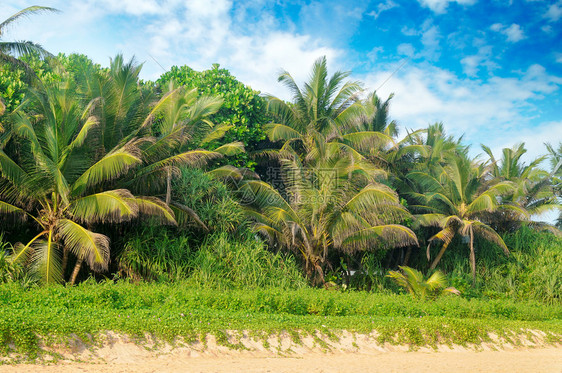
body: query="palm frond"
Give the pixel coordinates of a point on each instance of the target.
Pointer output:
(489, 234)
(112, 206)
(111, 166)
(155, 208)
(231, 149)
(46, 260)
(390, 235)
(85, 244)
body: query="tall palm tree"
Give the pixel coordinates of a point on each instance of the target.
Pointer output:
(317, 114)
(453, 200)
(55, 172)
(331, 198)
(10, 50)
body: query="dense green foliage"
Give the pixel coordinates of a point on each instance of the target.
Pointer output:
(243, 108)
(94, 162)
(219, 262)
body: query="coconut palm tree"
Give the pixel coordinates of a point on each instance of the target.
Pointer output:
(333, 206)
(533, 193)
(453, 200)
(331, 199)
(10, 50)
(319, 113)
(413, 281)
(54, 171)
(180, 137)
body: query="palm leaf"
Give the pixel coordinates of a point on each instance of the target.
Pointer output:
(89, 246)
(111, 166)
(231, 149)
(111, 206)
(389, 235)
(45, 260)
(154, 208)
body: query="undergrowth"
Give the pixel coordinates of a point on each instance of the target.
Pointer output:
(168, 311)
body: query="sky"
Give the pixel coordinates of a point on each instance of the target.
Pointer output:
(490, 70)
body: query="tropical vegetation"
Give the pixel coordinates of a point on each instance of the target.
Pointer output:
(198, 178)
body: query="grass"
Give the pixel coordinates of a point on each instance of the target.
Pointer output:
(168, 311)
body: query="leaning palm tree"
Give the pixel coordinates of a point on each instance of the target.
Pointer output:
(453, 200)
(10, 50)
(55, 172)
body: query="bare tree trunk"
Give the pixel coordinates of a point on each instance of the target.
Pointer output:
(438, 257)
(76, 270)
(472, 256)
(64, 261)
(407, 256)
(168, 185)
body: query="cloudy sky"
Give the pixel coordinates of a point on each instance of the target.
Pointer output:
(488, 69)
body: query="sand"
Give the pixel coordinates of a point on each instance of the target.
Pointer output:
(351, 353)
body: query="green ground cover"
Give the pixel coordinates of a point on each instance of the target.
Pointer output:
(167, 311)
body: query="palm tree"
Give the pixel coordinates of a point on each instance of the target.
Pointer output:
(413, 281)
(180, 138)
(331, 199)
(333, 206)
(55, 172)
(533, 193)
(10, 50)
(319, 113)
(453, 200)
(555, 156)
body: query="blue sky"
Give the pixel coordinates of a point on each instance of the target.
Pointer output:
(491, 70)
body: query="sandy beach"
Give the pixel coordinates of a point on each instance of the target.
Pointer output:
(351, 353)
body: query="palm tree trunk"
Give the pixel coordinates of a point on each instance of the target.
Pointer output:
(168, 185)
(407, 256)
(64, 261)
(438, 257)
(472, 256)
(76, 270)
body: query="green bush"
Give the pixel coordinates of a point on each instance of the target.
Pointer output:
(155, 254)
(224, 263)
(210, 199)
(533, 269)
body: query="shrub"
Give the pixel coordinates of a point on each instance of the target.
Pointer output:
(224, 263)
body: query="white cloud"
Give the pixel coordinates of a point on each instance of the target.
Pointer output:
(405, 49)
(554, 12)
(430, 37)
(484, 111)
(440, 6)
(514, 32)
(382, 7)
(372, 55)
(547, 28)
(196, 33)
